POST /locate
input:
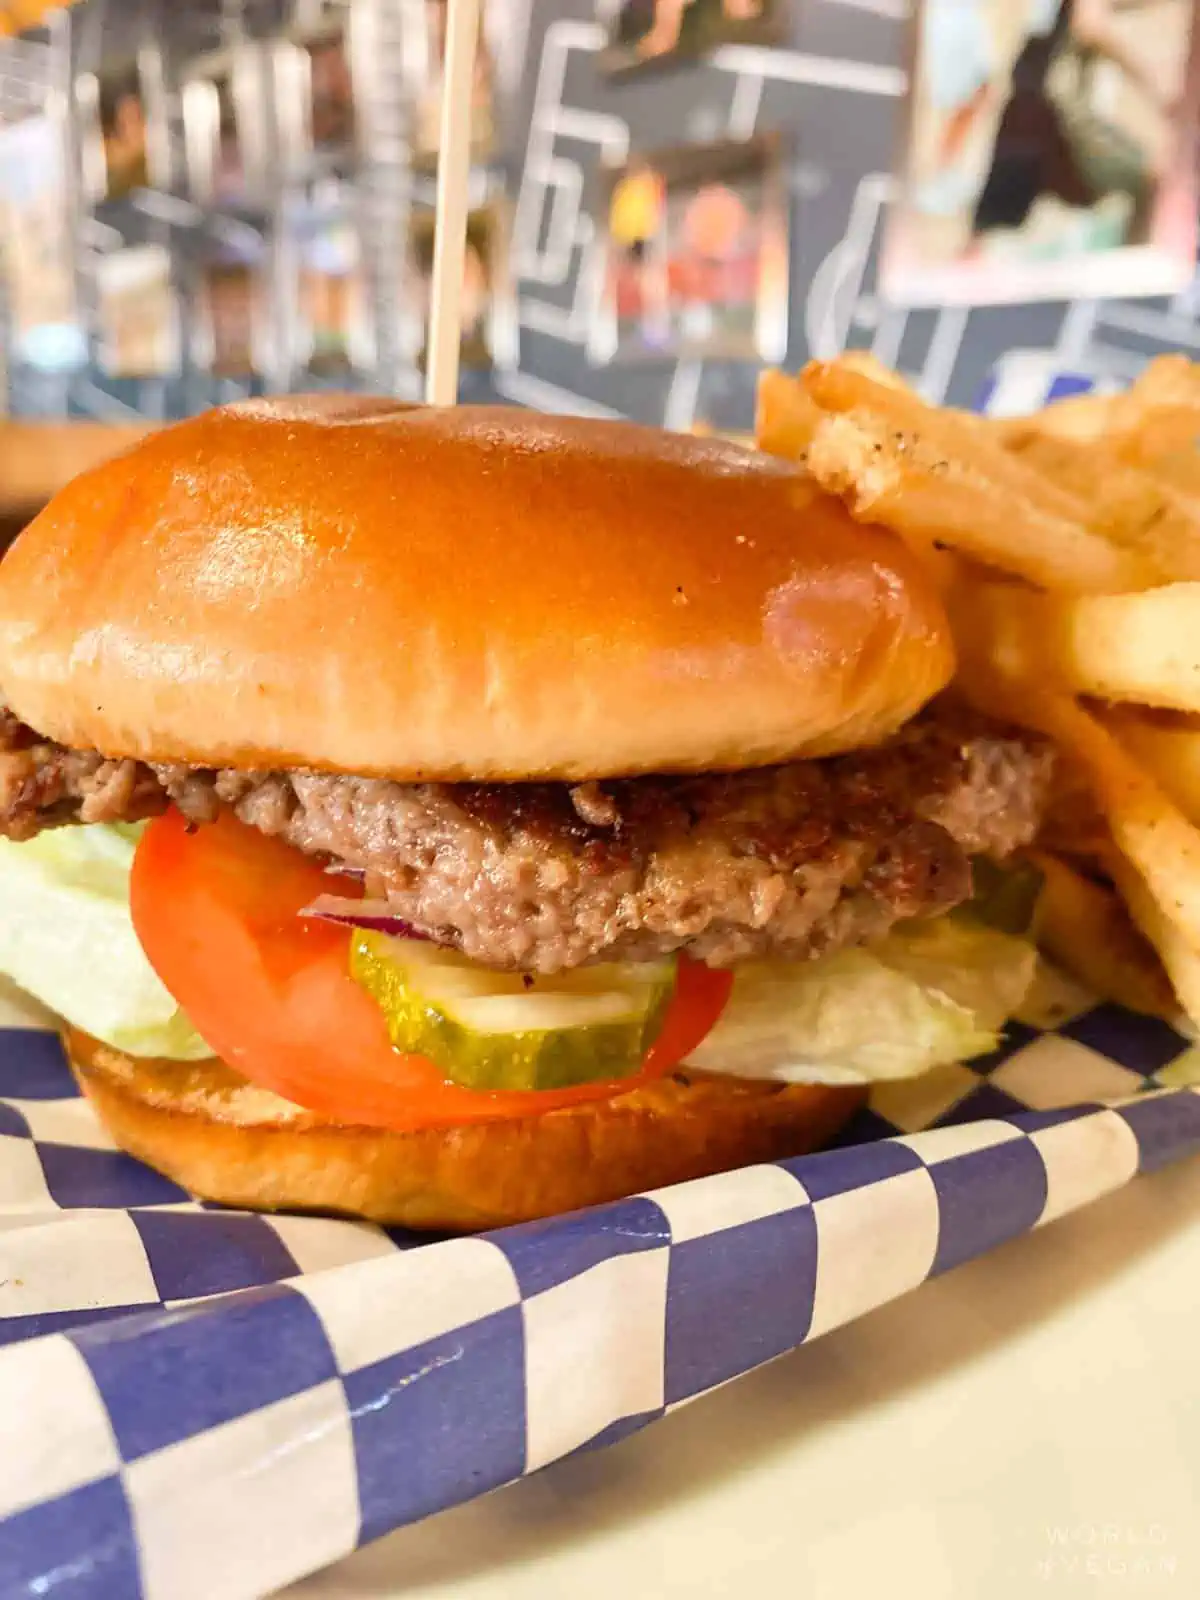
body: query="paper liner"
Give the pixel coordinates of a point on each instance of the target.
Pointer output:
(204, 1402)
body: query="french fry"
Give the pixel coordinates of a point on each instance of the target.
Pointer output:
(1126, 504)
(1070, 462)
(1067, 548)
(1083, 417)
(1168, 746)
(1167, 381)
(1085, 928)
(1139, 647)
(1157, 842)
(785, 424)
(1073, 825)
(1179, 955)
(1169, 384)
(1156, 424)
(1004, 668)
(1163, 443)
(864, 363)
(785, 417)
(999, 629)
(939, 475)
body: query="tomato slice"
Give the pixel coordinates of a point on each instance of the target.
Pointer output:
(216, 909)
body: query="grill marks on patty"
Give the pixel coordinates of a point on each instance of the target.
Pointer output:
(792, 860)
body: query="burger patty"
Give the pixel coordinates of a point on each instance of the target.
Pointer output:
(45, 785)
(792, 860)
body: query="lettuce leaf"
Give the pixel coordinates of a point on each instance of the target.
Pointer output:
(929, 994)
(66, 937)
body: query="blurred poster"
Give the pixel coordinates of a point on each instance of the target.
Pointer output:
(430, 54)
(332, 293)
(46, 332)
(697, 258)
(232, 309)
(223, 121)
(330, 92)
(486, 312)
(1050, 153)
(137, 316)
(115, 151)
(315, 97)
(645, 32)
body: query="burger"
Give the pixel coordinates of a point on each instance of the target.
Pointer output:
(454, 816)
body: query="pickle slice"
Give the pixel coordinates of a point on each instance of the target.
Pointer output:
(504, 1030)
(1006, 897)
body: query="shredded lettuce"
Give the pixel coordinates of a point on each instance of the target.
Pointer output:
(929, 994)
(66, 937)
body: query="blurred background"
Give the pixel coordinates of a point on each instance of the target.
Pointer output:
(204, 199)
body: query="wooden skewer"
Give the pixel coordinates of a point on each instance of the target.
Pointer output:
(450, 226)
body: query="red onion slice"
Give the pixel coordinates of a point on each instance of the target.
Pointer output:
(339, 869)
(375, 915)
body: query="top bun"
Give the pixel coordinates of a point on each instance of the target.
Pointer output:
(465, 593)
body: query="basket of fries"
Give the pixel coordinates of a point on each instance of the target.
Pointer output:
(1067, 547)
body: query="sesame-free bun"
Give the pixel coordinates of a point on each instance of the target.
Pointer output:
(463, 593)
(223, 1139)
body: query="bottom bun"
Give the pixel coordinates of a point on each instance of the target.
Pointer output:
(223, 1139)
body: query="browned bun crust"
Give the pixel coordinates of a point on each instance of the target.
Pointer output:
(222, 1139)
(472, 592)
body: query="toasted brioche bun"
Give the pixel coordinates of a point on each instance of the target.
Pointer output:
(223, 1139)
(464, 593)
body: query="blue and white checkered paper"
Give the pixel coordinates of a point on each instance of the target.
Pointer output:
(203, 1403)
